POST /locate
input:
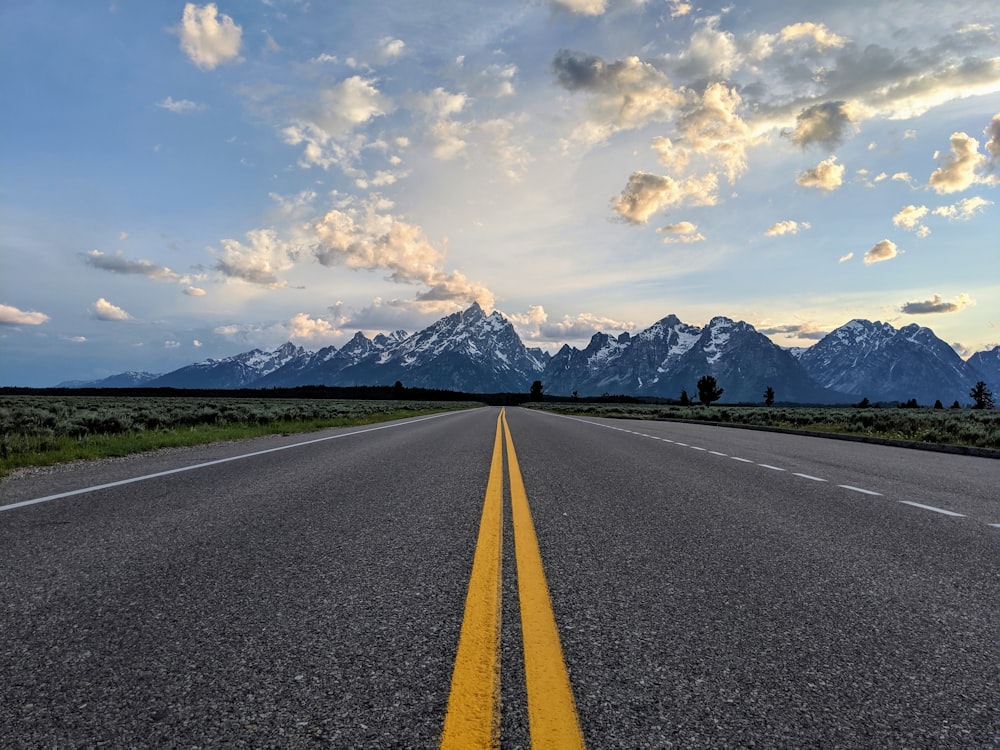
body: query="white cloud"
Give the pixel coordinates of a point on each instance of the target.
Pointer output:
(881, 251)
(963, 210)
(816, 33)
(826, 176)
(683, 232)
(257, 262)
(534, 325)
(846, 257)
(646, 194)
(12, 316)
(179, 106)
(207, 38)
(104, 310)
(582, 7)
(302, 327)
(992, 132)
(787, 227)
(193, 291)
(910, 218)
(390, 49)
(957, 170)
(937, 305)
(171, 344)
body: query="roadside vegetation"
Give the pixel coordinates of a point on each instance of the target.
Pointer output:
(977, 428)
(41, 430)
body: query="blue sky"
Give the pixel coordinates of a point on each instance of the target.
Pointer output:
(182, 181)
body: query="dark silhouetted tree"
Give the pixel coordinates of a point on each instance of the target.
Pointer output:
(769, 396)
(708, 390)
(398, 390)
(863, 403)
(938, 404)
(685, 398)
(982, 395)
(536, 391)
(956, 405)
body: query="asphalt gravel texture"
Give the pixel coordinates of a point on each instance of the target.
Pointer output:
(312, 597)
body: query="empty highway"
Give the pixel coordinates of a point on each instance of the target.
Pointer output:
(710, 587)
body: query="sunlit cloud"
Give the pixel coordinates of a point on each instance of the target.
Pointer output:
(207, 38)
(582, 7)
(534, 325)
(958, 169)
(646, 194)
(826, 124)
(965, 209)
(302, 327)
(815, 33)
(12, 316)
(826, 176)
(683, 232)
(104, 310)
(194, 291)
(937, 305)
(845, 257)
(881, 251)
(910, 218)
(787, 227)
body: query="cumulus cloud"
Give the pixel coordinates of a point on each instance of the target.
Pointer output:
(207, 38)
(825, 124)
(787, 227)
(259, 260)
(119, 264)
(104, 310)
(683, 232)
(328, 122)
(881, 251)
(582, 7)
(179, 106)
(361, 236)
(646, 194)
(193, 291)
(910, 218)
(964, 210)
(992, 133)
(937, 305)
(302, 327)
(626, 94)
(794, 330)
(815, 33)
(390, 49)
(958, 169)
(825, 176)
(534, 325)
(846, 257)
(12, 316)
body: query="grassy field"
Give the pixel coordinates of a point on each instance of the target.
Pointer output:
(42, 430)
(967, 427)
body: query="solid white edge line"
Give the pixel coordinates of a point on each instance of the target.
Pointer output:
(859, 489)
(216, 462)
(809, 476)
(932, 508)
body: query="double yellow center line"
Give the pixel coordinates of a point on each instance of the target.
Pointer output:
(473, 718)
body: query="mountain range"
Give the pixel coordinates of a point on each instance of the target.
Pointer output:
(473, 352)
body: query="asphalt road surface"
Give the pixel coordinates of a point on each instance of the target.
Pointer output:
(712, 587)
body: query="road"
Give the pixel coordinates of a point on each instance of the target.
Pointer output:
(712, 587)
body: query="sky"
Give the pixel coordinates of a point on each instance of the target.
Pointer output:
(184, 181)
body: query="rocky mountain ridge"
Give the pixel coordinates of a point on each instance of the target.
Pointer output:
(474, 352)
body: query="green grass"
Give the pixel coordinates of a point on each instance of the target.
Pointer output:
(965, 427)
(46, 430)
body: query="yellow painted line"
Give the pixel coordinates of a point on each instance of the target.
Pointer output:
(473, 718)
(552, 718)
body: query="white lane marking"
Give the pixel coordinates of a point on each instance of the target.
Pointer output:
(695, 448)
(994, 525)
(685, 445)
(742, 460)
(859, 489)
(216, 462)
(931, 507)
(809, 476)
(773, 468)
(716, 453)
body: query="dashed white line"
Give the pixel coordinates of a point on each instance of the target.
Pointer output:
(684, 445)
(932, 508)
(742, 460)
(772, 468)
(695, 448)
(859, 489)
(716, 453)
(809, 476)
